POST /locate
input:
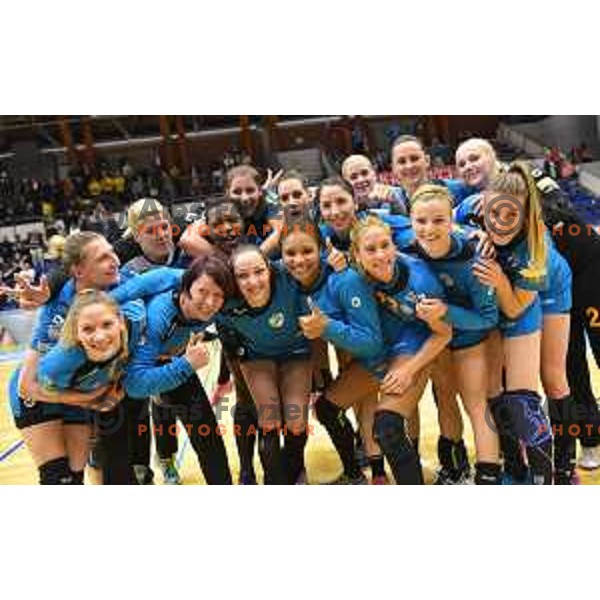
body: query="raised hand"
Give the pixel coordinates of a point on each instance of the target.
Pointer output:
(196, 353)
(313, 325)
(431, 309)
(335, 258)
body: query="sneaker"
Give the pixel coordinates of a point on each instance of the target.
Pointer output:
(221, 391)
(143, 475)
(344, 479)
(589, 460)
(380, 480)
(169, 471)
(247, 479)
(445, 476)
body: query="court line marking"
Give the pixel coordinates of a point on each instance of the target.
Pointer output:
(11, 450)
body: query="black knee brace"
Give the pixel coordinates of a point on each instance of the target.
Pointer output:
(519, 414)
(389, 430)
(56, 472)
(335, 421)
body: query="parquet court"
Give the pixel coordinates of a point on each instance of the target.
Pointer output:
(16, 467)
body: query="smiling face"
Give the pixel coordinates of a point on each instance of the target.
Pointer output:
(253, 278)
(203, 301)
(99, 267)
(100, 331)
(432, 224)
(360, 174)
(503, 216)
(376, 253)
(246, 194)
(225, 226)
(410, 164)
(294, 197)
(155, 237)
(338, 208)
(301, 257)
(475, 164)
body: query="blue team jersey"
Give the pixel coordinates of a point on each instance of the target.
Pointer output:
(271, 332)
(513, 258)
(459, 189)
(256, 227)
(465, 214)
(130, 287)
(347, 301)
(472, 307)
(557, 298)
(402, 232)
(142, 264)
(157, 365)
(403, 332)
(68, 368)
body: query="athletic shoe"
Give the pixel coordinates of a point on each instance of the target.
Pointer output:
(445, 476)
(221, 391)
(247, 479)
(143, 475)
(380, 480)
(344, 479)
(589, 460)
(169, 471)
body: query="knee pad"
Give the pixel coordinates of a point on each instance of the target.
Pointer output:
(326, 410)
(389, 431)
(56, 472)
(519, 414)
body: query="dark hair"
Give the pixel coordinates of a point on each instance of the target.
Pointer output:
(218, 210)
(403, 139)
(293, 174)
(336, 180)
(301, 224)
(241, 171)
(213, 265)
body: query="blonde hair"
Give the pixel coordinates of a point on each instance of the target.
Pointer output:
(56, 246)
(85, 298)
(353, 158)
(139, 211)
(358, 230)
(518, 181)
(429, 192)
(75, 245)
(487, 148)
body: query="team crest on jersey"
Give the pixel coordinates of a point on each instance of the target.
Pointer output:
(277, 320)
(355, 302)
(55, 327)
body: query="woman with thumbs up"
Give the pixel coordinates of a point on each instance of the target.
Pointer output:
(340, 309)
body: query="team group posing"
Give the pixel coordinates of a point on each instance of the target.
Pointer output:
(457, 281)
